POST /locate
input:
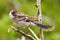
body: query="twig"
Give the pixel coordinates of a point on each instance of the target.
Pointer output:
(40, 18)
(23, 37)
(21, 32)
(41, 34)
(33, 33)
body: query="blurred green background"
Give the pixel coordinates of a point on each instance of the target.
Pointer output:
(50, 11)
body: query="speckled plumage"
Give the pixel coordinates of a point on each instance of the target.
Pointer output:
(23, 20)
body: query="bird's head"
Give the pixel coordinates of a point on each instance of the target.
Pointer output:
(12, 13)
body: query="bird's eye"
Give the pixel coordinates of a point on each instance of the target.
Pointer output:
(14, 13)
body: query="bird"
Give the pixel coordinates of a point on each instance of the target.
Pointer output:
(23, 20)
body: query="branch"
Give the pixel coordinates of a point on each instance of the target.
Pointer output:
(33, 33)
(23, 37)
(21, 32)
(40, 18)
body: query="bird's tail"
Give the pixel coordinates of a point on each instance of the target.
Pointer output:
(45, 26)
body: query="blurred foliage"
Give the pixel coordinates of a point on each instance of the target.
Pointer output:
(50, 11)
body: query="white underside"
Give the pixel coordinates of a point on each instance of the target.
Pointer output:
(24, 24)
